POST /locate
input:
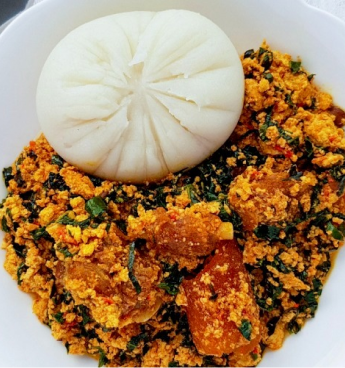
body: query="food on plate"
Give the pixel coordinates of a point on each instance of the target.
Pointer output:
(207, 267)
(135, 96)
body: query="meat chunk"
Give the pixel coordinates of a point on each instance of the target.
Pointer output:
(221, 309)
(180, 236)
(269, 197)
(97, 279)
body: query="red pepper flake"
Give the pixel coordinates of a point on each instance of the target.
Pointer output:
(32, 145)
(71, 324)
(332, 138)
(254, 175)
(66, 238)
(108, 301)
(173, 216)
(278, 148)
(287, 153)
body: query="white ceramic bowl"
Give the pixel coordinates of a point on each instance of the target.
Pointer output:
(288, 25)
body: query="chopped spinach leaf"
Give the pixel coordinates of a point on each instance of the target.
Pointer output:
(55, 181)
(248, 53)
(40, 233)
(310, 77)
(288, 99)
(309, 148)
(20, 270)
(295, 66)
(246, 329)
(293, 326)
(269, 77)
(67, 345)
(122, 225)
(59, 317)
(294, 174)
(103, 360)
(57, 160)
(135, 282)
(95, 180)
(341, 188)
(336, 234)
(7, 174)
(4, 225)
(65, 252)
(83, 311)
(131, 256)
(172, 282)
(214, 295)
(20, 250)
(65, 220)
(135, 340)
(192, 193)
(173, 364)
(161, 197)
(95, 206)
(267, 232)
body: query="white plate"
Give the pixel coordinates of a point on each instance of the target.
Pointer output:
(287, 25)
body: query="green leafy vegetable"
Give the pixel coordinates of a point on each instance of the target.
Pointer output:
(293, 326)
(65, 252)
(83, 311)
(341, 188)
(103, 360)
(309, 148)
(295, 66)
(66, 220)
(135, 282)
(310, 77)
(4, 225)
(95, 206)
(20, 250)
(135, 340)
(214, 295)
(336, 234)
(40, 233)
(248, 53)
(67, 345)
(20, 270)
(246, 329)
(269, 77)
(59, 317)
(294, 174)
(192, 193)
(7, 174)
(172, 282)
(267, 232)
(55, 181)
(57, 160)
(131, 258)
(288, 99)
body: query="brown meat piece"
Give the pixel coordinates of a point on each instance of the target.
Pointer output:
(187, 236)
(220, 302)
(135, 307)
(339, 116)
(268, 197)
